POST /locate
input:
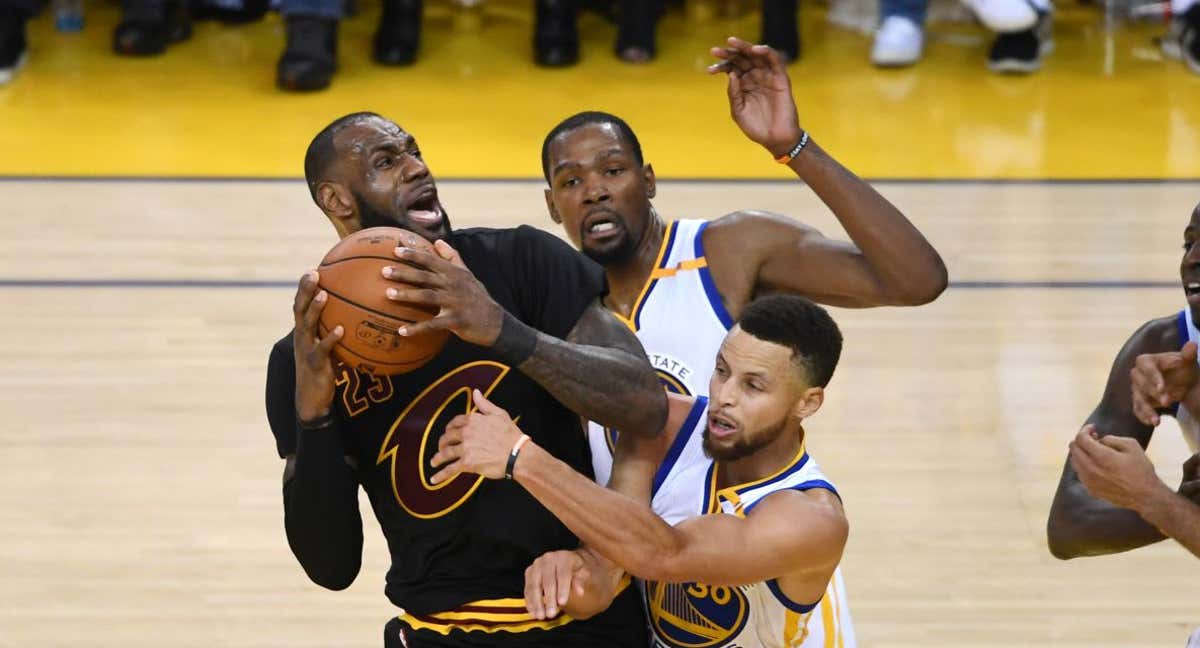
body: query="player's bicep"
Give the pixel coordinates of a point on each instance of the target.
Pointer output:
(787, 533)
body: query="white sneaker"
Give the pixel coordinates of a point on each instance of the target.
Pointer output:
(898, 42)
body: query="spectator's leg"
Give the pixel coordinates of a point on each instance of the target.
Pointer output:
(1023, 35)
(399, 35)
(635, 34)
(147, 27)
(781, 27)
(310, 55)
(900, 39)
(13, 49)
(556, 35)
(1183, 39)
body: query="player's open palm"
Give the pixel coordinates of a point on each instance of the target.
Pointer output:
(315, 380)
(760, 94)
(479, 442)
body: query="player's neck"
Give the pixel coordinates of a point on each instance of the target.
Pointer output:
(626, 279)
(769, 459)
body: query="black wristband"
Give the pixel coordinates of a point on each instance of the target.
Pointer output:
(322, 422)
(516, 341)
(512, 456)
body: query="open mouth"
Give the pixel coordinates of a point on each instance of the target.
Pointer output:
(720, 426)
(1191, 288)
(426, 210)
(603, 224)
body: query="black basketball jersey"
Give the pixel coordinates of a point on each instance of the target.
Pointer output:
(469, 539)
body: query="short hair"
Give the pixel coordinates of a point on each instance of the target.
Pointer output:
(802, 326)
(321, 151)
(585, 119)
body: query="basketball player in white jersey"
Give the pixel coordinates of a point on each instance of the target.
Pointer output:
(751, 531)
(1149, 378)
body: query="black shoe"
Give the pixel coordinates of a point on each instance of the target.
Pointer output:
(310, 57)
(148, 26)
(13, 48)
(1183, 39)
(635, 31)
(247, 11)
(781, 28)
(1021, 52)
(556, 36)
(399, 34)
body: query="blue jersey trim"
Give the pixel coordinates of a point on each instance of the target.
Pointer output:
(803, 486)
(1181, 321)
(788, 603)
(710, 288)
(672, 228)
(680, 442)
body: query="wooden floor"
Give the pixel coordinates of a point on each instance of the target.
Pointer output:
(140, 491)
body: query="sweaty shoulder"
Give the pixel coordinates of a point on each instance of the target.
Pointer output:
(1157, 336)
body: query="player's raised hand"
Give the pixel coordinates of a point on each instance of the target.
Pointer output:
(479, 442)
(760, 94)
(315, 380)
(1159, 379)
(441, 279)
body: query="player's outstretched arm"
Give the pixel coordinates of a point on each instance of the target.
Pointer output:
(320, 490)
(789, 532)
(890, 261)
(1083, 525)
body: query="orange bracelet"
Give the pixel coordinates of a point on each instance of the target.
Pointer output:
(787, 158)
(512, 457)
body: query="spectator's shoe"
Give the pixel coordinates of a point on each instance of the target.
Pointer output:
(635, 33)
(555, 35)
(13, 50)
(245, 11)
(781, 28)
(1182, 41)
(1022, 52)
(148, 26)
(310, 57)
(399, 34)
(898, 42)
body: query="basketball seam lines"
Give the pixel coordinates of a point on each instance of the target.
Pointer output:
(369, 309)
(365, 256)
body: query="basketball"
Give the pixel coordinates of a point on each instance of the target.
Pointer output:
(351, 274)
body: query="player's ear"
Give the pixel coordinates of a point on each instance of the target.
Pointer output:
(651, 182)
(550, 206)
(810, 401)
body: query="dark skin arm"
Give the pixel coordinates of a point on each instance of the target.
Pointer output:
(889, 263)
(600, 371)
(1083, 525)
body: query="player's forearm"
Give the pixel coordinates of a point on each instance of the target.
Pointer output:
(1175, 516)
(610, 386)
(1081, 525)
(321, 517)
(617, 527)
(906, 264)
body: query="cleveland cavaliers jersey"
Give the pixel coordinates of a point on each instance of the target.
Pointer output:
(1188, 422)
(760, 615)
(679, 319)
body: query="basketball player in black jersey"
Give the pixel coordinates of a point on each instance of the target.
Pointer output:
(529, 331)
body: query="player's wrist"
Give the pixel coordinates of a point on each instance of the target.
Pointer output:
(516, 341)
(315, 419)
(782, 145)
(1155, 501)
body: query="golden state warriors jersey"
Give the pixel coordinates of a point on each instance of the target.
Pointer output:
(680, 320)
(1189, 423)
(696, 615)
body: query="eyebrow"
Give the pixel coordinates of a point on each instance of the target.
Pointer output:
(571, 163)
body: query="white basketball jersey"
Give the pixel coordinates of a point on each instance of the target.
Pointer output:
(1188, 422)
(695, 615)
(679, 319)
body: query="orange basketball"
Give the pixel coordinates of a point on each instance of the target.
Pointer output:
(351, 273)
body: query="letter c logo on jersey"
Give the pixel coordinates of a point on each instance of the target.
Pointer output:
(695, 615)
(411, 442)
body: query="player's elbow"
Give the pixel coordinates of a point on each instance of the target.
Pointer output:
(929, 287)
(336, 577)
(1064, 537)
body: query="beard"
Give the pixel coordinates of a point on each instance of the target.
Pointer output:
(369, 216)
(745, 446)
(619, 252)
